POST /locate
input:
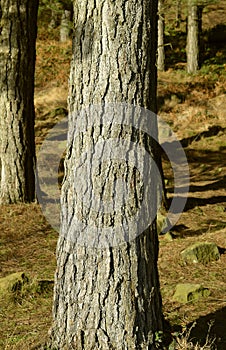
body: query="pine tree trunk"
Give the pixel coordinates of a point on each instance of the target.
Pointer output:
(65, 26)
(107, 297)
(54, 21)
(161, 29)
(200, 42)
(178, 14)
(17, 64)
(192, 38)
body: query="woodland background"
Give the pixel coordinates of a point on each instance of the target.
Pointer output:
(194, 105)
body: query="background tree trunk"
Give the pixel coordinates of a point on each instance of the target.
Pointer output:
(108, 298)
(200, 42)
(178, 14)
(192, 38)
(65, 25)
(54, 21)
(17, 64)
(161, 29)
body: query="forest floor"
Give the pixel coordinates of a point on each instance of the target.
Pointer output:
(195, 108)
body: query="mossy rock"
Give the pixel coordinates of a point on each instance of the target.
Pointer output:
(162, 223)
(58, 111)
(203, 252)
(12, 283)
(44, 286)
(168, 237)
(18, 286)
(186, 292)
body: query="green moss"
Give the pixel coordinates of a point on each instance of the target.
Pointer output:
(12, 283)
(203, 252)
(186, 292)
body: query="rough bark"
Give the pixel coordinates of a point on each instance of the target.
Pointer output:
(108, 297)
(114, 53)
(161, 28)
(192, 38)
(17, 64)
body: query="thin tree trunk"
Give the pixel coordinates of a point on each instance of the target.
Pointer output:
(201, 50)
(107, 297)
(17, 64)
(161, 29)
(65, 26)
(192, 38)
(178, 14)
(54, 21)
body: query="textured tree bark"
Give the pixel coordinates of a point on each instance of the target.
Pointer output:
(192, 38)
(17, 63)
(108, 297)
(161, 29)
(104, 29)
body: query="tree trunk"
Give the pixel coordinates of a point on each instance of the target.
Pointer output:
(107, 293)
(192, 38)
(17, 145)
(161, 29)
(200, 42)
(54, 21)
(65, 26)
(178, 14)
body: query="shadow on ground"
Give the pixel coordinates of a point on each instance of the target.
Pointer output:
(212, 131)
(217, 320)
(216, 185)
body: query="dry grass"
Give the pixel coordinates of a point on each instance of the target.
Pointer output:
(52, 63)
(193, 105)
(182, 341)
(27, 244)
